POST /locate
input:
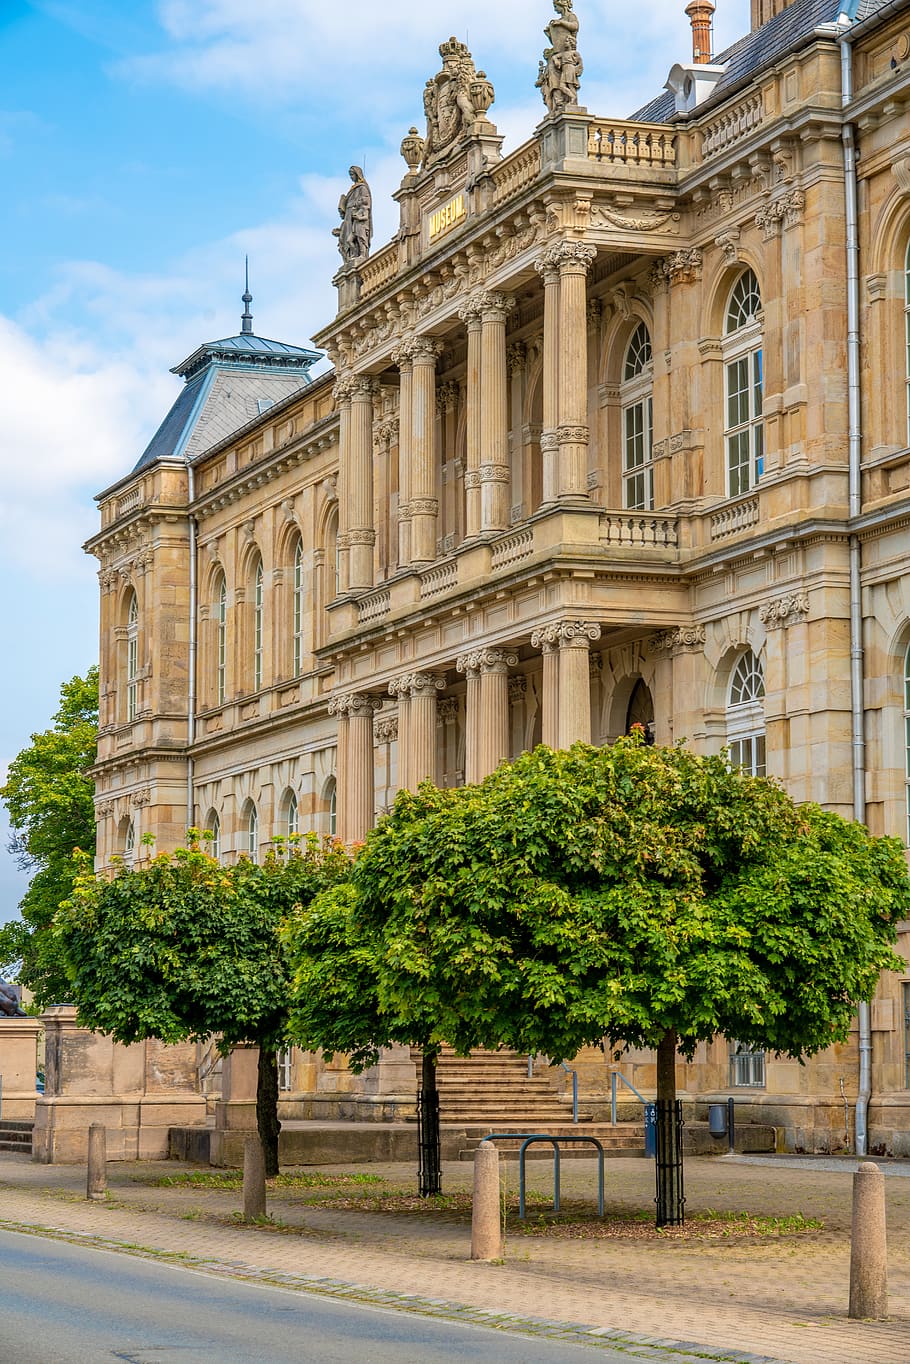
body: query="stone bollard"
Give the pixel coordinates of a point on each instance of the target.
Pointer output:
(96, 1179)
(486, 1224)
(253, 1180)
(868, 1248)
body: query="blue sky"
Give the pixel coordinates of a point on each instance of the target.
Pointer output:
(144, 149)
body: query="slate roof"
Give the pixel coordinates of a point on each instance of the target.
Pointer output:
(793, 28)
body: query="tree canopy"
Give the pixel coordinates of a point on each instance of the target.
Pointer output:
(49, 795)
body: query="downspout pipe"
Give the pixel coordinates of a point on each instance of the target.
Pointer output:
(857, 670)
(192, 532)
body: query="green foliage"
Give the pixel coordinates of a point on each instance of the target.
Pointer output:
(50, 799)
(625, 892)
(180, 947)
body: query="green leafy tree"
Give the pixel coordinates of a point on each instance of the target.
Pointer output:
(49, 796)
(647, 896)
(179, 947)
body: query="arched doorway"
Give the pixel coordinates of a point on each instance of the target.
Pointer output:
(640, 711)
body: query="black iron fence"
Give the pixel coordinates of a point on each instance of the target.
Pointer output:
(671, 1199)
(428, 1143)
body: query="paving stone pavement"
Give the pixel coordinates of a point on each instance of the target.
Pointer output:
(779, 1299)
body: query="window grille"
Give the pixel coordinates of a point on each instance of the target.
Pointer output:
(746, 716)
(284, 1070)
(293, 816)
(251, 834)
(747, 1066)
(213, 825)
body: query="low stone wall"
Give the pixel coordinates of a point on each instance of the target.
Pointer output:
(18, 1068)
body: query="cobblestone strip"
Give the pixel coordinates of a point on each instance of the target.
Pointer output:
(651, 1348)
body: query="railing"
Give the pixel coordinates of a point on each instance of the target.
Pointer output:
(129, 501)
(512, 549)
(655, 532)
(573, 1073)
(516, 172)
(618, 1075)
(374, 606)
(734, 518)
(732, 126)
(378, 270)
(633, 144)
(437, 580)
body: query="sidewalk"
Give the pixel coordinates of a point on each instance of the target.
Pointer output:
(782, 1299)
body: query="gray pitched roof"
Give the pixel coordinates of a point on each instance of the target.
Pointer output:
(793, 28)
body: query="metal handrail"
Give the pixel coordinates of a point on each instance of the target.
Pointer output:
(573, 1073)
(618, 1075)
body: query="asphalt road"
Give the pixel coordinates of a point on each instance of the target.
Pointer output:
(69, 1304)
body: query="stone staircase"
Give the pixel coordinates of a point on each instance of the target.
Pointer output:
(16, 1136)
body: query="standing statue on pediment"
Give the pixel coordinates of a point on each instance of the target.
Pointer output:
(562, 66)
(453, 100)
(356, 212)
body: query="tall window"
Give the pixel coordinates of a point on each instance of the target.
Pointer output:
(293, 815)
(907, 735)
(221, 642)
(638, 421)
(744, 431)
(907, 332)
(213, 826)
(746, 716)
(250, 833)
(298, 609)
(747, 1066)
(132, 659)
(905, 991)
(332, 794)
(257, 628)
(129, 844)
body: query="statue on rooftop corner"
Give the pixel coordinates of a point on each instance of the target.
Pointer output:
(561, 68)
(454, 100)
(356, 212)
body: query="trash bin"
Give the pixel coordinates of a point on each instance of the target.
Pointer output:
(717, 1120)
(651, 1130)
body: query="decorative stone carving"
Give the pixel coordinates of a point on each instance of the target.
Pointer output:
(486, 661)
(518, 689)
(412, 149)
(577, 633)
(355, 703)
(791, 610)
(516, 357)
(601, 216)
(560, 71)
(679, 639)
(454, 100)
(142, 797)
(447, 709)
(680, 267)
(446, 398)
(567, 257)
(786, 210)
(356, 212)
(416, 684)
(728, 242)
(385, 730)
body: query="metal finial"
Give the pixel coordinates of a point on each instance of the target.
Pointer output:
(246, 321)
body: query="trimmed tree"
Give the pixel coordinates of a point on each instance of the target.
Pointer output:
(647, 896)
(49, 796)
(181, 948)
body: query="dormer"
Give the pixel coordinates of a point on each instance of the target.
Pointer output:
(691, 85)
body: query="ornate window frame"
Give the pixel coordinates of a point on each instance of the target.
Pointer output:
(292, 815)
(221, 642)
(297, 604)
(132, 659)
(906, 716)
(250, 832)
(742, 349)
(745, 715)
(636, 396)
(258, 616)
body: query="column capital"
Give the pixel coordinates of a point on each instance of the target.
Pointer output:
(402, 355)
(417, 684)
(547, 268)
(678, 639)
(470, 312)
(577, 634)
(568, 258)
(343, 390)
(355, 703)
(495, 306)
(486, 661)
(362, 388)
(785, 611)
(425, 350)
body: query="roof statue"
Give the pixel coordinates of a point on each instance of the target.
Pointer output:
(561, 68)
(9, 1002)
(454, 100)
(355, 209)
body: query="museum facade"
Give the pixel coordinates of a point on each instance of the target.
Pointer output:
(616, 433)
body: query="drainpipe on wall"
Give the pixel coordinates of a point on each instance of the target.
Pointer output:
(858, 740)
(191, 662)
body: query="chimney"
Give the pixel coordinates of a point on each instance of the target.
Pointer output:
(700, 13)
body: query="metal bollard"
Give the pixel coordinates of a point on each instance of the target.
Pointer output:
(486, 1226)
(253, 1180)
(868, 1246)
(96, 1175)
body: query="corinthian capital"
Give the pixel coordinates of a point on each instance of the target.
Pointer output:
(569, 258)
(494, 306)
(425, 350)
(363, 388)
(344, 387)
(486, 661)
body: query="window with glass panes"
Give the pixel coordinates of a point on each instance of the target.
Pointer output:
(907, 332)
(744, 433)
(213, 826)
(747, 1066)
(251, 833)
(638, 422)
(905, 990)
(257, 628)
(298, 610)
(907, 738)
(221, 642)
(132, 659)
(746, 716)
(293, 816)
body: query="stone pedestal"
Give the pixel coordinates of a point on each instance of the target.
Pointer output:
(137, 1092)
(18, 1067)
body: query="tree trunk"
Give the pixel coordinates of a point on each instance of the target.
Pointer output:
(267, 1109)
(429, 1168)
(670, 1198)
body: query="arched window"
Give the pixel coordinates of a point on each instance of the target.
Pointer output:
(249, 832)
(132, 659)
(297, 609)
(129, 844)
(744, 429)
(907, 331)
(257, 626)
(293, 815)
(907, 741)
(636, 397)
(332, 796)
(746, 716)
(221, 641)
(640, 711)
(213, 826)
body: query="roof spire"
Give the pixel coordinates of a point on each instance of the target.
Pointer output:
(246, 321)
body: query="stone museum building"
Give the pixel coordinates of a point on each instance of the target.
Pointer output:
(617, 432)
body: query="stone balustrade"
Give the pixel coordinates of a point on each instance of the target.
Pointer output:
(633, 144)
(734, 517)
(732, 126)
(374, 606)
(511, 549)
(438, 580)
(379, 270)
(639, 530)
(516, 172)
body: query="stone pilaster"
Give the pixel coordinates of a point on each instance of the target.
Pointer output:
(487, 714)
(424, 503)
(470, 315)
(343, 389)
(402, 358)
(575, 640)
(547, 642)
(548, 270)
(495, 474)
(683, 646)
(574, 260)
(338, 709)
(361, 801)
(361, 531)
(422, 763)
(469, 664)
(400, 690)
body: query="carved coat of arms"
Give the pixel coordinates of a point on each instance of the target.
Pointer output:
(453, 100)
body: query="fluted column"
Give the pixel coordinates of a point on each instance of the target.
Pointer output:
(575, 640)
(402, 358)
(399, 688)
(547, 641)
(469, 664)
(566, 370)
(548, 270)
(422, 726)
(471, 317)
(360, 803)
(361, 531)
(494, 460)
(338, 707)
(343, 402)
(424, 504)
